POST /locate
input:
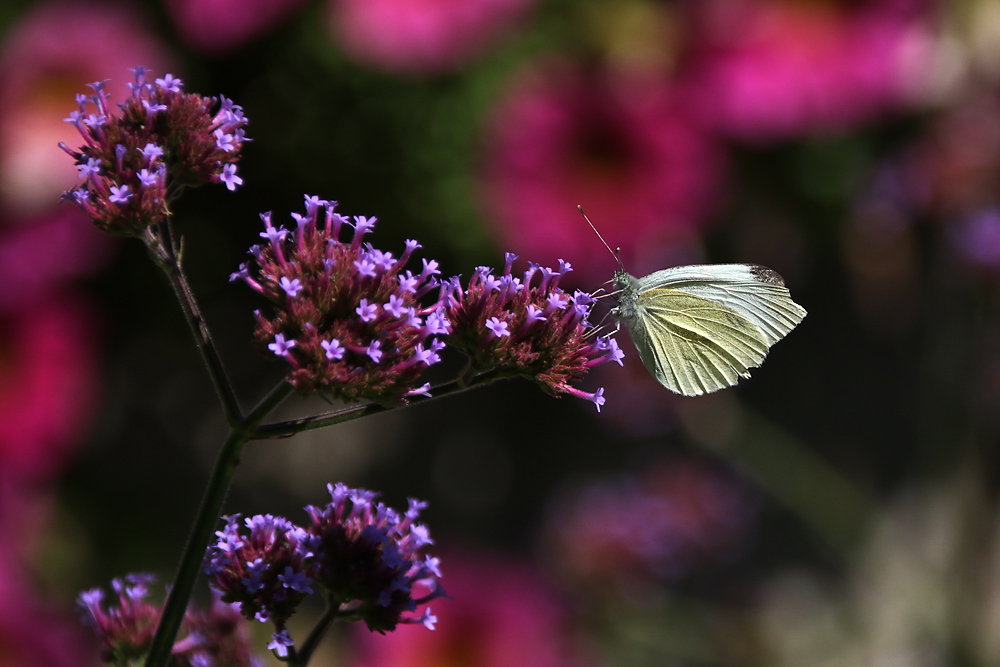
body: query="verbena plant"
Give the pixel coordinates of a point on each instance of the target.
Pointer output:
(350, 322)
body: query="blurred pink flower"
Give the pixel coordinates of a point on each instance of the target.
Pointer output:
(40, 257)
(624, 148)
(678, 515)
(216, 27)
(777, 69)
(47, 56)
(422, 36)
(33, 632)
(47, 384)
(501, 615)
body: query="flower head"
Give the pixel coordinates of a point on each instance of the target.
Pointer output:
(371, 559)
(46, 50)
(367, 558)
(125, 628)
(527, 326)
(265, 565)
(344, 316)
(137, 157)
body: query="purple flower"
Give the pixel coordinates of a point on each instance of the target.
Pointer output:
(229, 176)
(366, 311)
(361, 325)
(396, 306)
(280, 643)
(498, 328)
(170, 83)
(291, 287)
(334, 350)
(119, 195)
(374, 351)
(280, 346)
(166, 123)
(151, 152)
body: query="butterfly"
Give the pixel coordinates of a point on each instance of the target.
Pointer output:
(701, 328)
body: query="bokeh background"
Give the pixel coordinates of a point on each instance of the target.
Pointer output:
(840, 508)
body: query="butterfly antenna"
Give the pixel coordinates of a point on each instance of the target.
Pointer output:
(613, 252)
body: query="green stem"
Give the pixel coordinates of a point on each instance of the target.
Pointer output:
(168, 258)
(204, 525)
(828, 503)
(287, 428)
(304, 653)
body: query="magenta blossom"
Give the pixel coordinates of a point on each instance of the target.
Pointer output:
(48, 375)
(34, 633)
(217, 27)
(767, 70)
(625, 148)
(422, 36)
(45, 54)
(39, 258)
(501, 614)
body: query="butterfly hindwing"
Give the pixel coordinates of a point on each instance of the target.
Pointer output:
(694, 345)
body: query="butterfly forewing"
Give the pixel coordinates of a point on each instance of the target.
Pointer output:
(693, 345)
(756, 292)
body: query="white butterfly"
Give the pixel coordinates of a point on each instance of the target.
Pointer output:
(701, 328)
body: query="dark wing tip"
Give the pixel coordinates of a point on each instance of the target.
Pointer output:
(762, 274)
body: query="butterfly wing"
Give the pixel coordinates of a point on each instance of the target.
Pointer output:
(755, 292)
(691, 344)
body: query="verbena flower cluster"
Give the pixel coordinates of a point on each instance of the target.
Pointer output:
(215, 637)
(137, 158)
(345, 317)
(367, 559)
(352, 325)
(529, 327)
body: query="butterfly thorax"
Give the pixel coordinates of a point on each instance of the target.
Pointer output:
(626, 293)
